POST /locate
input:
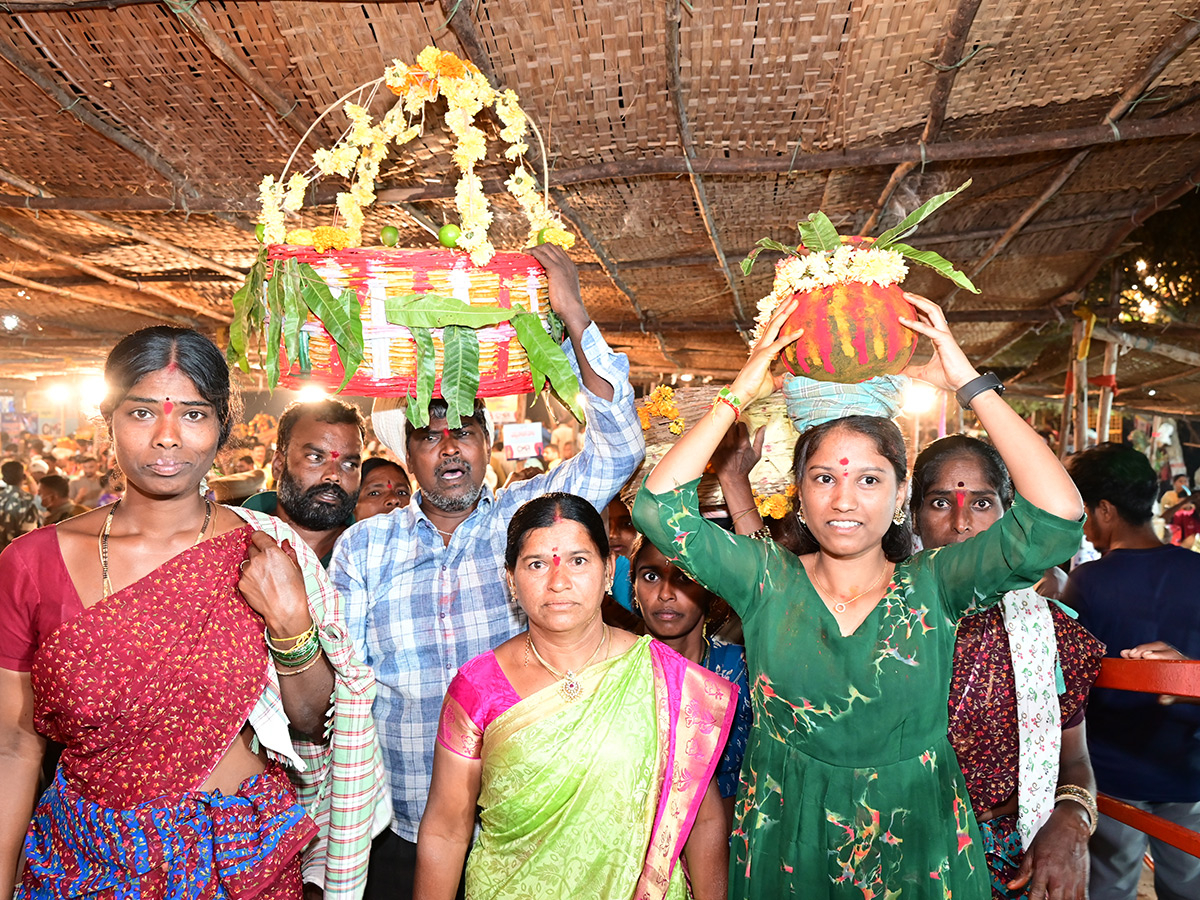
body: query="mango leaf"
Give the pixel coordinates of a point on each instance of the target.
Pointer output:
(765, 244)
(418, 410)
(438, 311)
(547, 356)
(555, 324)
(460, 372)
(305, 359)
(939, 264)
(818, 234)
(246, 297)
(341, 316)
(275, 291)
(538, 377)
(915, 218)
(293, 311)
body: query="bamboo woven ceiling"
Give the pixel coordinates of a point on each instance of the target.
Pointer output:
(136, 134)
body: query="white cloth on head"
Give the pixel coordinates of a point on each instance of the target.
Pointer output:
(389, 420)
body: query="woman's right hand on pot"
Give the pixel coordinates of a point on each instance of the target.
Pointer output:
(755, 380)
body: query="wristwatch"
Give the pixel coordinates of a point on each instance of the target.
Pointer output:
(976, 386)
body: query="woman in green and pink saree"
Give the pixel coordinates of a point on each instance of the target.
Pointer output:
(589, 752)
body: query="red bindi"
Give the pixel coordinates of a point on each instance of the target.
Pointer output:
(960, 497)
(844, 461)
(557, 559)
(334, 454)
(168, 406)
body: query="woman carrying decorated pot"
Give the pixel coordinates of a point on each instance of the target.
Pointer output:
(589, 752)
(849, 786)
(170, 643)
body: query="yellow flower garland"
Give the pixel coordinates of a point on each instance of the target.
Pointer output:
(359, 153)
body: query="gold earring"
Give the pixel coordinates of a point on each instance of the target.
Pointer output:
(898, 518)
(800, 512)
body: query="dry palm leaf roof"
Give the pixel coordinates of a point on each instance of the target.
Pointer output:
(136, 134)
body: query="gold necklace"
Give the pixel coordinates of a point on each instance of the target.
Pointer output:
(108, 527)
(570, 685)
(839, 606)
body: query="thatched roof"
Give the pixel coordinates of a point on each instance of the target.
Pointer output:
(136, 134)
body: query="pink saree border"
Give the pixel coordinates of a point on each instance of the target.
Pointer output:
(695, 713)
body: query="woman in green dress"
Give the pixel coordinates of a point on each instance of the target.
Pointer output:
(849, 786)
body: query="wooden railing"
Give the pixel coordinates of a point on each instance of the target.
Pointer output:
(1179, 678)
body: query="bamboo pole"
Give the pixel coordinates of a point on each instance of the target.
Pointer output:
(1081, 404)
(87, 298)
(1068, 403)
(1104, 406)
(203, 261)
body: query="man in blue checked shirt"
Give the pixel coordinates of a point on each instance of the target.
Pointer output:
(424, 588)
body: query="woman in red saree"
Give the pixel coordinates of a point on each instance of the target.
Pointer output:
(134, 636)
(589, 752)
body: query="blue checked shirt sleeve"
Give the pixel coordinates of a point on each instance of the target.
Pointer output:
(351, 583)
(613, 444)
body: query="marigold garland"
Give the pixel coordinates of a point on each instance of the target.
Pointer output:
(359, 153)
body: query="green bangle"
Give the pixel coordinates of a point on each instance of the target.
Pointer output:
(730, 399)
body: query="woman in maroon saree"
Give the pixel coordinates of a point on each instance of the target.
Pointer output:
(134, 636)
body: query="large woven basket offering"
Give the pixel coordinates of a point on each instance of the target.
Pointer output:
(380, 321)
(389, 363)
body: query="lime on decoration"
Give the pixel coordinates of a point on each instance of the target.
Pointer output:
(389, 235)
(260, 232)
(449, 234)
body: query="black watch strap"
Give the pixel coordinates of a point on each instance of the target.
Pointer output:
(988, 381)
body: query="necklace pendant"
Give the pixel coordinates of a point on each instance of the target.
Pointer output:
(839, 607)
(570, 687)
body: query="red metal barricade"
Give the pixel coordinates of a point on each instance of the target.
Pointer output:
(1176, 677)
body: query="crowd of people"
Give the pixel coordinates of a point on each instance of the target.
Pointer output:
(421, 672)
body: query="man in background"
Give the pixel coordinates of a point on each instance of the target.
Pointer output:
(54, 492)
(18, 508)
(1145, 753)
(316, 468)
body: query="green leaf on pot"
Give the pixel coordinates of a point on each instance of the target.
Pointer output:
(244, 300)
(765, 244)
(916, 217)
(939, 264)
(818, 234)
(418, 410)
(341, 316)
(546, 355)
(275, 291)
(460, 372)
(293, 311)
(438, 311)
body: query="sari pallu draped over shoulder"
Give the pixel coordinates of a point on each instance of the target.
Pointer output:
(597, 797)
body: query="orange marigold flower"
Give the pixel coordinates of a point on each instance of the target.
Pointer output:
(645, 417)
(676, 425)
(450, 66)
(328, 237)
(301, 237)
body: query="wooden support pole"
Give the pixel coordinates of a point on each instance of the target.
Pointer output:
(27, 243)
(1081, 404)
(196, 259)
(94, 301)
(1147, 345)
(1068, 402)
(1104, 407)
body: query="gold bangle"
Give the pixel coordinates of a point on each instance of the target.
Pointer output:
(1084, 798)
(742, 513)
(283, 671)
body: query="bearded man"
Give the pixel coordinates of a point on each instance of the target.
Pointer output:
(424, 587)
(316, 472)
